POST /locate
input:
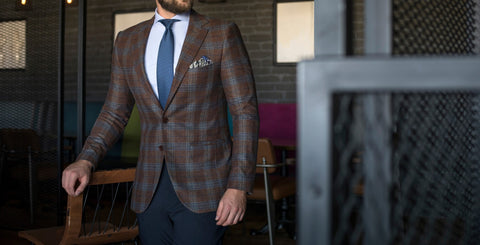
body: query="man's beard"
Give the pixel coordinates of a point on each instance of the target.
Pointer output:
(174, 7)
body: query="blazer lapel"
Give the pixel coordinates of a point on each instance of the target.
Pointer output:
(142, 39)
(193, 41)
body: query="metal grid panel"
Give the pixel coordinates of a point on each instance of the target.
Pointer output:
(401, 162)
(433, 27)
(28, 100)
(372, 171)
(348, 174)
(434, 133)
(435, 145)
(434, 140)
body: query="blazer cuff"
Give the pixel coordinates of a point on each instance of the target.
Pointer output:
(90, 156)
(246, 186)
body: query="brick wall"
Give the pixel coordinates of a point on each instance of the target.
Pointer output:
(275, 84)
(255, 20)
(358, 27)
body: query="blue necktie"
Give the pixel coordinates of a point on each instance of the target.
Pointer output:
(165, 62)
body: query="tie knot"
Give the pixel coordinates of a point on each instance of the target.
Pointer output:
(168, 22)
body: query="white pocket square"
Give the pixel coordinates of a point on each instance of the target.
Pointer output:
(202, 62)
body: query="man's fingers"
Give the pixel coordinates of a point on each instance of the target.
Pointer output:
(69, 181)
(219, 211)
(223, 217)
(231, 217)
(64, 181)
(238, 218)
(231, 208)
(76, 177)
(241, 216)
(81, 187)
(225, 210)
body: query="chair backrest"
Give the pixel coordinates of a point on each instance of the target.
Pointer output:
(86, 223)
(267, 152)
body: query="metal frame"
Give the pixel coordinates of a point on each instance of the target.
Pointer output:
(60, 107)
(378, 174)
(81, 59)
(318, 80)
(378, 33)
(330, 28)
(313, 212)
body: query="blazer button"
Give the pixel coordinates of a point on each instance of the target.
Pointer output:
(161, 147)
(165, 120)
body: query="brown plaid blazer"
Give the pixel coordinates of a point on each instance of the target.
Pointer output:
(191, 134)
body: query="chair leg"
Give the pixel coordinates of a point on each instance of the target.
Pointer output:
(262, 230)
(283, 213)
(2, 162)
(284, 223)
(30, 184)
(270, 207)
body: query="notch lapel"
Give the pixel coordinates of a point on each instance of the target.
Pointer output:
(193, 41)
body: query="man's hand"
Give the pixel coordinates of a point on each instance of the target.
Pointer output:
(76, 177)
(232, 207)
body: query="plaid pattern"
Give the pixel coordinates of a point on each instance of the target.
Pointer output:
(191, 134)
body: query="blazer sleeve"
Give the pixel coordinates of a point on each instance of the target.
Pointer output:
(114, 114)
(239, 87)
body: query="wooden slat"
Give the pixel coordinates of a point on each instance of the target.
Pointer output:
(73, 221)
(112, 176)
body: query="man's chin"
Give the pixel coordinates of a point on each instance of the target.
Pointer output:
(179, 7)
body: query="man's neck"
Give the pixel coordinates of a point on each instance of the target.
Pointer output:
(164, 13)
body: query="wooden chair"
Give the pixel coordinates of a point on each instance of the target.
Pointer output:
(100, 216)
(272, 187)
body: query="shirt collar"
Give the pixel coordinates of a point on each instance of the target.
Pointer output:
(182, 17)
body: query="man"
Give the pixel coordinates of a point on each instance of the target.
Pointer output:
(192, 176)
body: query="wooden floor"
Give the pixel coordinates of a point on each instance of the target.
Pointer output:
(235, 235)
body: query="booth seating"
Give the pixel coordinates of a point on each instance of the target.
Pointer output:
(278, 122)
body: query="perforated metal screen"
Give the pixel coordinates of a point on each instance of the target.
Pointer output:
(434, 166)
(435, 134)
(433, 27)
(431, 142)
(389, 142)
(28, 101)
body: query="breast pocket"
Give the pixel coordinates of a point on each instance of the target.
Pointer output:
(201, 76)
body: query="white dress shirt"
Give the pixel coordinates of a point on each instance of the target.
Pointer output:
(179, 29)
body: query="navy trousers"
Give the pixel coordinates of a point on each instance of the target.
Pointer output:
(167, 221)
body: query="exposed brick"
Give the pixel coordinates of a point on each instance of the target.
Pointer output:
(254, 17)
